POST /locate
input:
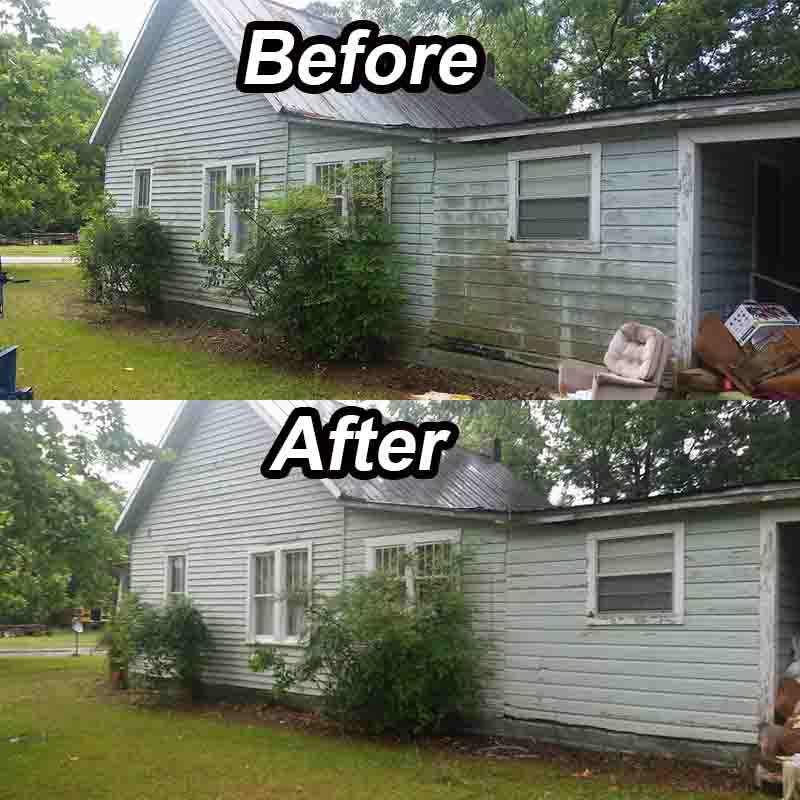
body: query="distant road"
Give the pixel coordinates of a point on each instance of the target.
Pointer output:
(38, 260)
(58, 652)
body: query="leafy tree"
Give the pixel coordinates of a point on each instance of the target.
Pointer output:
(53, 85)
(58, 512)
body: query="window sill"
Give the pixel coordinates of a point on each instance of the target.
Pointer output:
(298, 643)
(637, 619)
(554, 246)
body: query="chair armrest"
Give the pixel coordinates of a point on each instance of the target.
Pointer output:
(575, 375)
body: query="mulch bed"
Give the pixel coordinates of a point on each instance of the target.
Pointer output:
(611, 767)
(389, 379)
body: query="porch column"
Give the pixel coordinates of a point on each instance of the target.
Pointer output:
(768, 598)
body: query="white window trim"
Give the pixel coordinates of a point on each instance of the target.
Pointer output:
(280, 616)
(168, 595)
(346, 158)
(592, 244)
(409, 541)
(677, 617)
(228, 166)
(134, 191)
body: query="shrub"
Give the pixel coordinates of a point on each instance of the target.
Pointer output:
(121, 636)
(173, 643)
(384, 664)
(331, 286)
(124, 259)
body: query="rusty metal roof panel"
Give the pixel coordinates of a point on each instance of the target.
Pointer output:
(467, 481)
(486, 104)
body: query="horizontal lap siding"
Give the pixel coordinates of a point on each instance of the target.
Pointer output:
(698, 680)
(484, 578)
(412, 204)
(544, 306)
(726, 229)
(187, 112)
(215, 506)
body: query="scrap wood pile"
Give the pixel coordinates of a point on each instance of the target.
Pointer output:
(755, 352)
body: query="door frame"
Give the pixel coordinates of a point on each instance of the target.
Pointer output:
(690, 202)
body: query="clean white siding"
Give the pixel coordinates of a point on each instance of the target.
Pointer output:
(187, 112)
(539, 306)
(215, 506)
(698, 680)
(412, 203)
(484, 578)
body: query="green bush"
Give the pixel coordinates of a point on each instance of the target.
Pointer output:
(174, 644)
(387, 665)
(124, 259)
(331, 286)
(120, 638)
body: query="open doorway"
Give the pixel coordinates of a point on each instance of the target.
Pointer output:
(788, 600)
(748, 249)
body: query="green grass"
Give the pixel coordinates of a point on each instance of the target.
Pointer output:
(67, 250)
(82, 746)
(66, 357)
(58, 638)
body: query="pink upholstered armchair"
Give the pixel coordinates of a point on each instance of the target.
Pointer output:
(635, 363)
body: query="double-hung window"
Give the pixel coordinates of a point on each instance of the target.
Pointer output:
(554, 195)
(142, 189)
(416, 561)
(175, 576)
(636, 577)
(230, 195)
(279, 587)
(347, 173)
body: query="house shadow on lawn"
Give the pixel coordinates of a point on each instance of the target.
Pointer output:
(610, 768)
(392, 379)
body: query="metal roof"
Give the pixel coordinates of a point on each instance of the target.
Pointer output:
(467, 481)
(486, 104)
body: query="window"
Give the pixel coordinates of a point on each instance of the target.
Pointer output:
(230, 195)
(418, 560)
(555, 195)
(176, 576)
(279, 585)
(142, 181)
(636, 577)
(335, 173)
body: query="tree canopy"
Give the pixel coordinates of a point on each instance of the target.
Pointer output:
(57, 510)
(53, 86)
(597, 452)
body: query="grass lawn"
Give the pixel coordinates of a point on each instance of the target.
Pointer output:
(58, 639)
(66, 357)
(82, 746)
(66, 250)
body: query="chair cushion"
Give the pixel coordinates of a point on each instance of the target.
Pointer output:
(635, 351)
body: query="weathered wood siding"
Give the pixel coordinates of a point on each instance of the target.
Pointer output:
(484, 579)
(187, 112)
(698, 680)
(411, 207)
(726, 232)
(215, 507)
(539, 304)
(788, 593)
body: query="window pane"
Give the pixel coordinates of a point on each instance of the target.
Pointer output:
(296, 569)
(177, 574)
(635, 593)
(264, 616)
(264, 574)
(390, 560)
(636, 555)
(329, 177)
(554, 219)
(433, 568)
(368, 178)
(142, 191)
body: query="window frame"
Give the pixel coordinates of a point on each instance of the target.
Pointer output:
(346, 158)
(229, 166)
(410, 542)
(595, 152)
(677, 615)
(168, 557)
(135, 190)
(280, 609)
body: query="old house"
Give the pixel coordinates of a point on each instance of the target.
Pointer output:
(523, 240)
(659, 625)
